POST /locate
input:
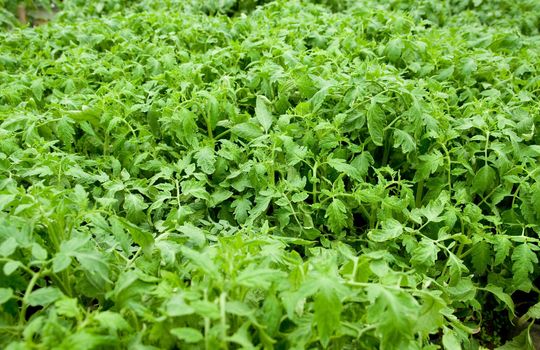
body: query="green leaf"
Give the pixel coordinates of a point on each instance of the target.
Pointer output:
(194, 188)
(336, 213)
(391, 229)
(201, 260)
(261, 205)
(431, 316)
(375, 121)
(502, 249)
(152, 116)
(327, 313)
(176, 306)
(241, 207)
(5, 200)
(450, 340)
(519, 342)
(8, 247)
(362, 163)
(65, 131)
(248, 131)
(238, 308)
(534, 311)
(134, 205)
(242, 337)
(44, 296)
(524, 262)
(90, 115)
(189, 335)
(501, 295)
(433, 210)
(37, 89)
(481, 256)
(110, 320)
(206, 160)
(187, 131)
(60, 262)
(94, 263)
(394, 312)
(68, 307)
(318, 98)
(259, 277)
(10, 267)
(456, 268)
(271, 313)
(445, 73)
(5, 295)
(263, 114)
(425, 254)
(394, 48)
(428, 165)
(469, 67)
(403, 139)
(535, 198)
(195, 234)
(140, 236)
(299, 197)
(484, 179)
(38, 252)
(219, 196)
(341, 166)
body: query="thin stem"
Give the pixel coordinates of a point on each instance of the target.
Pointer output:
(29, 289)
(449, 166)
(223, 316)
(315, 180)
(206, 326)
(386, 153)
(209, 128)
(486, 149)
(223, 134)
(419, 193)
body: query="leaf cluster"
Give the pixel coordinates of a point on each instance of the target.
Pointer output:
(285, 174)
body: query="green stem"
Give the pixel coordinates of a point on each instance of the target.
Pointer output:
(223, 134)
(347, 195)
(464, 255)
(223, 316)
(133, 258)
(178, 194)
(449, 167)
(364, 211)
(315, 180)
(386, 152)
(209, 128)
(206, 326)
(373, 216)
(106, 145)
(55, 240)
(355, 269)
(294, 212)
(21, 266)
(419, 193)
(29, 289)
(271, 170)
(486, 149)
(461, 245)
(63, 283)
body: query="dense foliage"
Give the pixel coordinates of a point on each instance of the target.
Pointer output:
(270, 174)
